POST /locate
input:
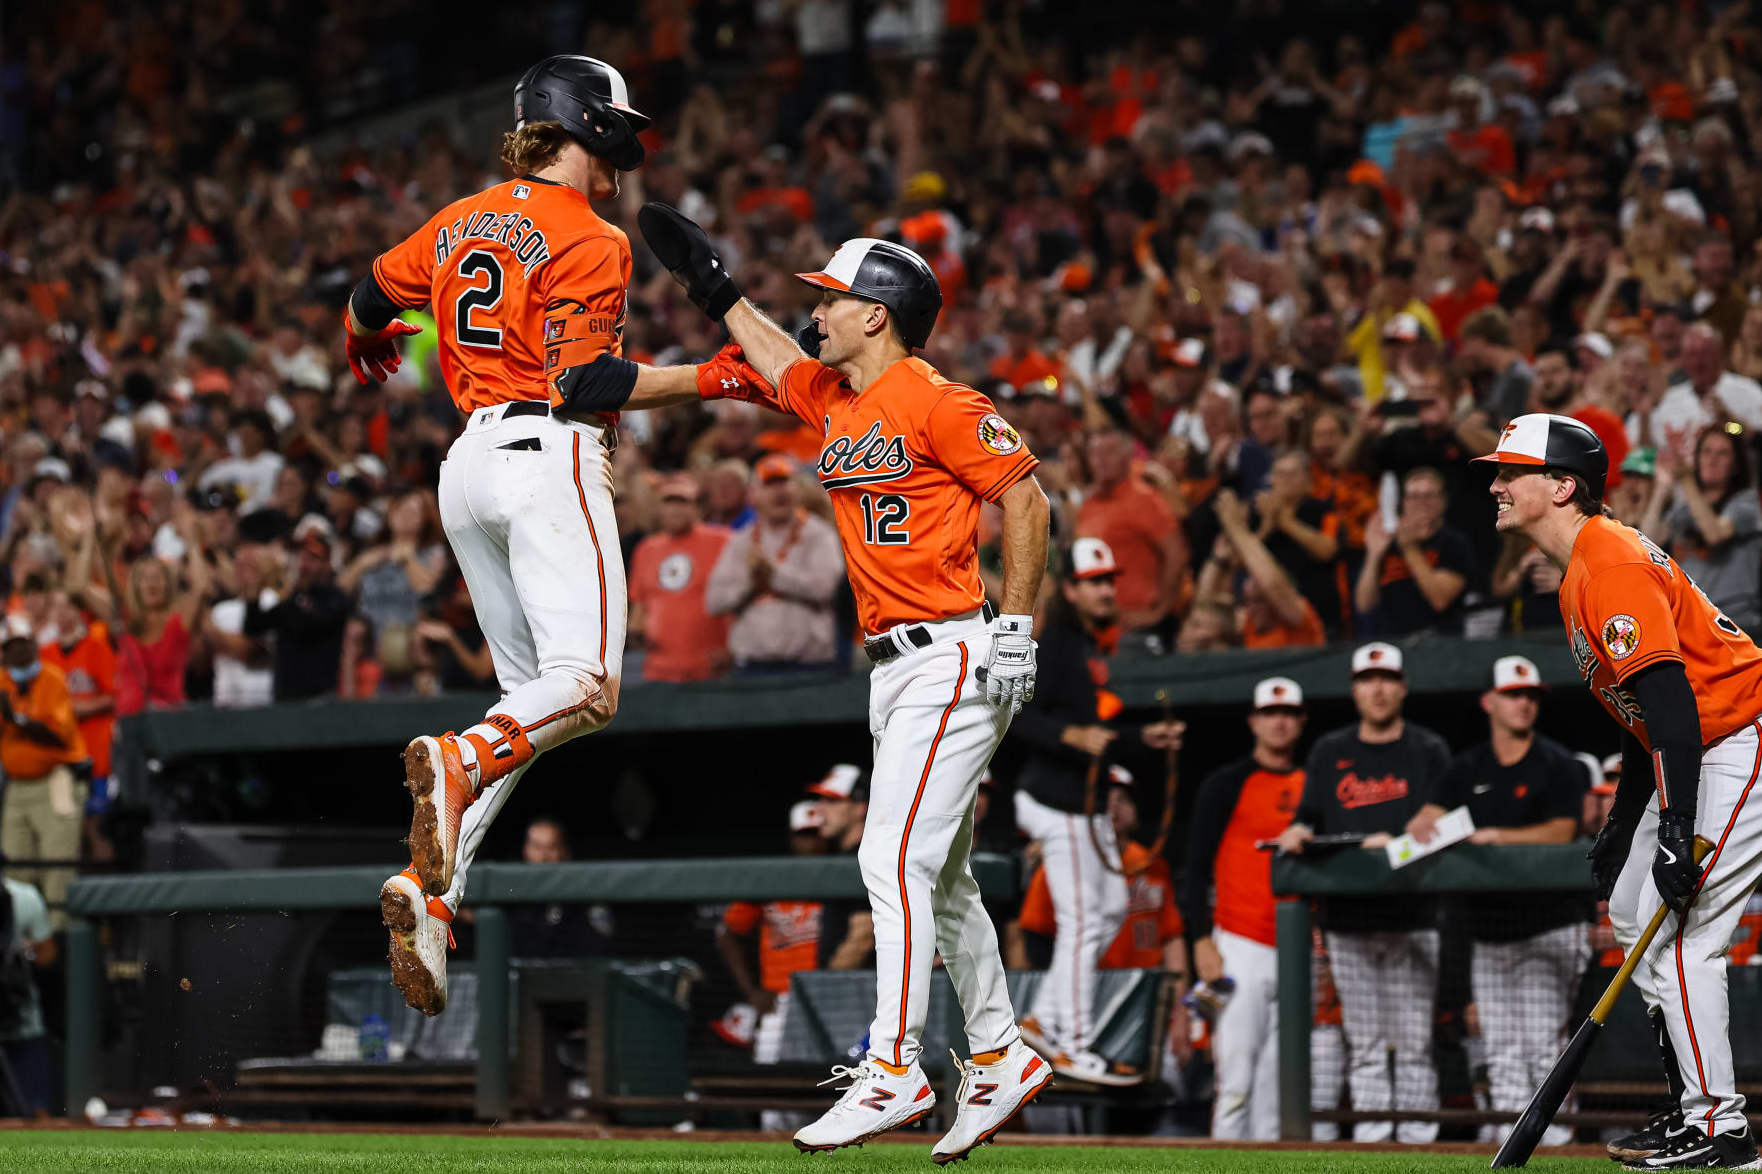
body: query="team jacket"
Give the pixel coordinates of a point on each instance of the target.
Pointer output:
(907, 464)
(1068, 691)
(1240, 804)
(525, 280)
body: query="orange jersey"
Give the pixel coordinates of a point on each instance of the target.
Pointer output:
(1151, 917)
(789, 941)
(907, 464)
(1242, 873)
(525, 281)
(47, 701)
(90, 668)
(1627, 606)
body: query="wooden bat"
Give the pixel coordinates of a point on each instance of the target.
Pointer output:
(1540, 1112)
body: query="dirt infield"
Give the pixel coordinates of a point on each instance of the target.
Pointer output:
(590, 1132)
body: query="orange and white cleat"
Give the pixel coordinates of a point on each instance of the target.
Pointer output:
(421, 932)
(441, 791)
(1095, 1069)
(1038, 1037)
(875, 1101)
(990, 1096)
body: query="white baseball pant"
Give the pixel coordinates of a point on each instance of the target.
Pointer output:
(1388, 986)
(1684, 972)
(1088, 903)
(934, 735)
(1245, 1042)
(1523, 992)
(526, 502)
(1327, 1077)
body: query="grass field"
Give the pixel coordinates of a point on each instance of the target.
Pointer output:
(365, 1153)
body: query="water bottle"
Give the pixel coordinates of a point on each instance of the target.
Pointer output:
(375, 1039)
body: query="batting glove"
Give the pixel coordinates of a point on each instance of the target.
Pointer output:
(1673, 866)
(686, 252)
(727, 375)
(1608, 854)
(373, 357)
(1009, 672)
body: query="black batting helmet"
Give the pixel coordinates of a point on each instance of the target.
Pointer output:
(592, 102)
(1541, 441)
(891, 274)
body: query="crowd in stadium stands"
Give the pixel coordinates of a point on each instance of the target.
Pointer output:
(1252, 312)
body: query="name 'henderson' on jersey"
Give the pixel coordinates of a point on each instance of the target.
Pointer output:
(1628, 606)
(525, 281)
(907, 464)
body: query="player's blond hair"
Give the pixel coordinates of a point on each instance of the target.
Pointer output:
(535, 145)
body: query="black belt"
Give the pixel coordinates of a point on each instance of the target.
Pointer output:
(539, 407)
(882, 649)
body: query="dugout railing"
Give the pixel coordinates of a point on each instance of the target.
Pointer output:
(1624, 1070)
(495, 888)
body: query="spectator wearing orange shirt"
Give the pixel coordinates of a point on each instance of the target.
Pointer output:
(1470, 289)
(1140, 529)
(39, 744)
(788, 939)
(83, 653)
(1477, 141)
(1022, 362)
(668, 574)
(1273, 613)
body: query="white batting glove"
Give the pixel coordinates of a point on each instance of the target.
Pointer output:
(1009, 671)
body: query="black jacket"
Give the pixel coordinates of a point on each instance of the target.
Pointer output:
(1071, 673)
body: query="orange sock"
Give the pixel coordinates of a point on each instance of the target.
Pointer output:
(896, 1069)
(985, 1059)
(510, 749)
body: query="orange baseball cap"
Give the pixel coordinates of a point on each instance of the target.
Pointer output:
(773, 467)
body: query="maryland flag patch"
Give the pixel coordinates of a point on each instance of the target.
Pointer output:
(997, 436)
(1621, 636)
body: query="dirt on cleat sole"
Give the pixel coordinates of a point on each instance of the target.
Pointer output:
(411, 978)
(427, 855)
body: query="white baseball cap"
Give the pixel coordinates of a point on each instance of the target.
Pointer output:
(1278, 693)
(1091, 558)
(1511, 673)
(1377, 657)
(17, 626)
(1119, 776)
(840, 782)
(1403, 327)
(1189, 352)
(805, 816)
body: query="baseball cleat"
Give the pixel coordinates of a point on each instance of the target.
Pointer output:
(1690, 1149)
(1093, 1069)
(990, 1096)
(874, 1102)
(1643, 1143)
(421, 933)
(1037, 1037)
(438, 786)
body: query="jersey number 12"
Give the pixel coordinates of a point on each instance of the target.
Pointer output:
(882, 516)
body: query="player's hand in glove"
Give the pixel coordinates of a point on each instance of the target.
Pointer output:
(373, 357)
(686, 252)
(727, 375)
(808, 338)
(1673, 866)
(1608, 853)
(1009, 672)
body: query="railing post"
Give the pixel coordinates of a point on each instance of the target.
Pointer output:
(84, 1011)
(1295, 1016)
(492, 1012)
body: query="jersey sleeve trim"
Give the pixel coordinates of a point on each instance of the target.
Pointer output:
(1019, 470)
(1647, 661)
(385, 287)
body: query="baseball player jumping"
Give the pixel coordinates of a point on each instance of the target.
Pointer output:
(527, 284)
(908, 458)
(1685, 684)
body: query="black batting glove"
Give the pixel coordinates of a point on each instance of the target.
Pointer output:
(1673, 866)
(1609, 852)
(808, 339)
(686, 252)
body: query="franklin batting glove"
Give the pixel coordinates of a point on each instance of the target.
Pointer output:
(686, 252)
(1009, 671)
(373, 357)
(1674, 870)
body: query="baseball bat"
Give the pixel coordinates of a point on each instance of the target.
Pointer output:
(1539, 1114)
(1314, 843)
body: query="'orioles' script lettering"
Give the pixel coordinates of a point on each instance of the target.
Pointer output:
(1353, 791)
(873, 458)
(524, 242)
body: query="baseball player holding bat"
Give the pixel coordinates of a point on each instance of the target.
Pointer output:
(527, 284)
(1685, 685)
(908, 458)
